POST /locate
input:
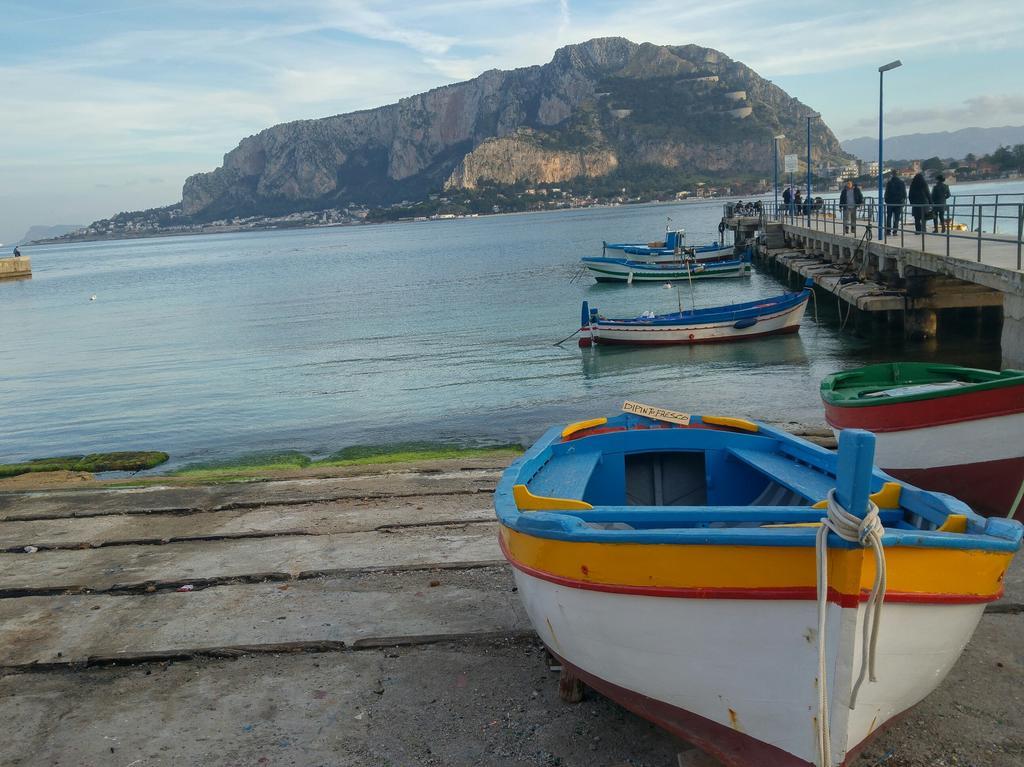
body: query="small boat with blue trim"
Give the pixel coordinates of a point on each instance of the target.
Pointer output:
(770, 601)
(673, 248)
(734, 322)
(609, 269)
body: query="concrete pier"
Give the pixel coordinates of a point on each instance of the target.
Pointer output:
(912, 277)
(15, 267)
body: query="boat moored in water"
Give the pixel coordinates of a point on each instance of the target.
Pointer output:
(735, 322)
(673, 248)
(948, 428)
(607, 269)
(674, 567)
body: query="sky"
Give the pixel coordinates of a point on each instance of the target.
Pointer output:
(108, 105)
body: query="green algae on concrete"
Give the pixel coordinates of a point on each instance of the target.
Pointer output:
(358, 455)
(94, 462)
(255, 465)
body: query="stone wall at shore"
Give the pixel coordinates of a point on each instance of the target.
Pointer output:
(15, 267)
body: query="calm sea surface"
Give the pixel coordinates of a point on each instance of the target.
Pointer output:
(213, 346)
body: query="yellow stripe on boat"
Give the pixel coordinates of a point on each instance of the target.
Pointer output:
(581, 425)
(927, 571)
(527, 501)
(955, 523)
(733, 423)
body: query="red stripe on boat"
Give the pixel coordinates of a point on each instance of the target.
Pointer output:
(935, 411)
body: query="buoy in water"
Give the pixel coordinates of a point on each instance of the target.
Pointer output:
(92, 297)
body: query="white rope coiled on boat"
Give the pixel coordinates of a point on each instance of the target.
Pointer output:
(867, 532)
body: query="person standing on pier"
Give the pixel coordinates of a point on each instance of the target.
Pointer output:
(940, 193)
(920, 199)
(787, 198)
(17, 253)
(849, 199)
(895, 199)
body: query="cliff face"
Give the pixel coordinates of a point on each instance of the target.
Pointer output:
(596, 106)
(520, 159)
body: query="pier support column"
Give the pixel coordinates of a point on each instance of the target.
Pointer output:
(919, 324)
(1012, 342)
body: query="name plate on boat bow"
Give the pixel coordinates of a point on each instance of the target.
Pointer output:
(657, 413)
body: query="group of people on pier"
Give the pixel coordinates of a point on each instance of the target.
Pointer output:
(925, 203)
(797, 205)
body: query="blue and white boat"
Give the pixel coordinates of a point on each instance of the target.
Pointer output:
(672, 249)
(770, 601)
(629, 270)
(735, 322)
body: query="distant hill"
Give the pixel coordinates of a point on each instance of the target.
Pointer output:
(41, 232)
(919, 146)
(604, 110)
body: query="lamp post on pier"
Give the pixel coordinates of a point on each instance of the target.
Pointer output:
(807, 201)
(881, 189)
(775, 168)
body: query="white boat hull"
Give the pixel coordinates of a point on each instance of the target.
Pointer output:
(613, 272)
(750, 665)
(787, 321)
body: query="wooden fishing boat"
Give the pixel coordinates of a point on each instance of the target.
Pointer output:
(952, 429)
(674, 567)
(673, 248)
(607, 269)
(735, 322)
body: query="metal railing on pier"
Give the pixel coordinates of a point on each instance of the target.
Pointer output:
(986, 228)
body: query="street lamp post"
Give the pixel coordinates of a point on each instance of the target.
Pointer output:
(807, 205)
(775, 168)
(881, 189)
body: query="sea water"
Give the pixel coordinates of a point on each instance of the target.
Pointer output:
(212, 346)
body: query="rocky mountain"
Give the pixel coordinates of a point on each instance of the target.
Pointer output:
(603, 106)
(919, 146)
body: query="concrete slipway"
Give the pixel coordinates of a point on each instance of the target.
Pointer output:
(367, 619)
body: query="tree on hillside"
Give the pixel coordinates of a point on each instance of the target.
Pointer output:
(933, 163)
(1003, 158)
(971, 157)
(1018, 156)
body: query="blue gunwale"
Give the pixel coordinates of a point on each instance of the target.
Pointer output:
(992, 534)
(725, 313)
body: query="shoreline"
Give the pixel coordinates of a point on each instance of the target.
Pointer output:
(254, 469)
(303, 227)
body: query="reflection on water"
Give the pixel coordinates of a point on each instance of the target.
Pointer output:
(602, 361)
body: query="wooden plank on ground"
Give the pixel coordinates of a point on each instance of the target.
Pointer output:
(203, 562)
(355, 611)
(348, 516)
(92, 502)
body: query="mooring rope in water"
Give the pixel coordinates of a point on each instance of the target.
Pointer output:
(567, 338)
(867, 532)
